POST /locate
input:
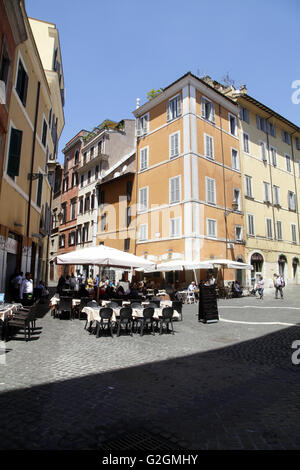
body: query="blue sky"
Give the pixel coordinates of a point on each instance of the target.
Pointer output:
(114, 52)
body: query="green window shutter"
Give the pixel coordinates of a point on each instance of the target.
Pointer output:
(14, 154)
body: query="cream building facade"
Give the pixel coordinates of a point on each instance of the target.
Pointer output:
(270, 164)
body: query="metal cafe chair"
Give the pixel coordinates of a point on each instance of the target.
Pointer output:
(146, 320)
(65, 305)
(166, 319)
(125, 319)
(105, 322)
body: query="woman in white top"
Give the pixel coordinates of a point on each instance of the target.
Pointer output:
(261, 286)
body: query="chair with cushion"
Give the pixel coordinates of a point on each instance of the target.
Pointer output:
(166, 319)
(156, 300)
(112, 304)
(83, 303)
(146, 320)
(105, 322)
(125, 319)
(65, 305)
(21, 323)
(177, 305)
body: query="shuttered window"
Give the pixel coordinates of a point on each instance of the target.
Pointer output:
(174, 144)
(143, 206)
(279, 230)
(143, 232)
(248, 181)
(276, 195)
(211, 228)
(235, 159)
(207, 109)
(44, 134)
(263, 151)
(251, 224)
(174, 108)
(142, 125)
(175, 227)
(209, 146)
(269, 228)
(144, 158)
(174, 186)
(288, 163)
(14, 153)
(267, 192)
(210, 190)
(246, 143)
(294, 233)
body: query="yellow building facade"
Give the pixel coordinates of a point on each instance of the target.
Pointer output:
(188, 177)
(35, 122)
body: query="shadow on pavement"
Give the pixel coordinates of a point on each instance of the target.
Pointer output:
(243, 396)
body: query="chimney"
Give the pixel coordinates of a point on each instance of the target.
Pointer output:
(137, 103)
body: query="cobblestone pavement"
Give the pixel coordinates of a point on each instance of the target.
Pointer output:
(227, 385)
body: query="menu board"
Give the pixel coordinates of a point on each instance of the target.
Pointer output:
(208, 306)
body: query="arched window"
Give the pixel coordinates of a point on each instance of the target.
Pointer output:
(281, 264)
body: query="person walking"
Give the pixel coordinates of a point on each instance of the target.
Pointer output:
(279, 284)
(261, 286)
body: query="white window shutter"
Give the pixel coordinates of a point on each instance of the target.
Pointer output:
(258, 122)
(178, 105)
(145, 124)
(212, 112)
(168, 111)
(203, 107)
(246, 115)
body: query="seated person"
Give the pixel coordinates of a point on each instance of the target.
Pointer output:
(83, 292)
(236, 289)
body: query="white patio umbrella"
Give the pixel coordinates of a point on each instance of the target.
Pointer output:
(102, 255)
(228, 263)
(180, 265)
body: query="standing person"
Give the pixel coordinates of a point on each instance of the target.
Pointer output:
(26, 294)
(261, 286)
(61, 284)
(79, 279)
(72, 282)
(90, 282)
(16, 286)
(67, 282)
(279, 284)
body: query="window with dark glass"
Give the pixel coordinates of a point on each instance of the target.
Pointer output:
(126, 244)
(22, 83)
(39, 190)
(4, 65)
(44, 134)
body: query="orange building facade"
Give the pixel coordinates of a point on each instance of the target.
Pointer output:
(188, 178)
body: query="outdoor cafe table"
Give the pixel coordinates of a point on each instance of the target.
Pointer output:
(54, 301)
(93, 314)
(7, 310)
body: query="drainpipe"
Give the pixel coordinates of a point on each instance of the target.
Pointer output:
(296, 192)
(32, 164)
(224, 184)
(271, 181)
